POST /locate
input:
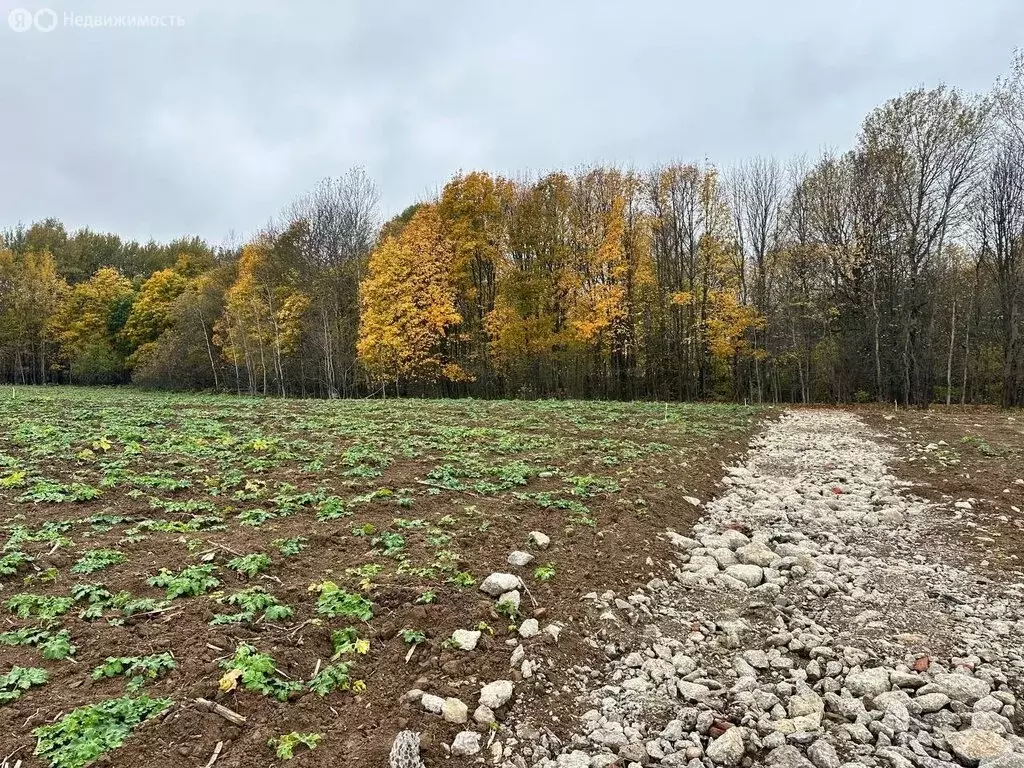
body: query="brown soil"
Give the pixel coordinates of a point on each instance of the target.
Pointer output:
(358, 729)
(973, 455)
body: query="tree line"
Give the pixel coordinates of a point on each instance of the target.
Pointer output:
(892, 271)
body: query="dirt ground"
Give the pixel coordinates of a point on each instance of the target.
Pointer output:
(973, 458)
(635, 464)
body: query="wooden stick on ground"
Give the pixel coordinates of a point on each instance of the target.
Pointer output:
(216, 753)
(228, 714)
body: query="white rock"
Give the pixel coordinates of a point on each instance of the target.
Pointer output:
(431, 703)
(574, 759)
(455, 711)
(973, 745)
(498, 583)
(465, 639)
(868, 682)
(466, 743)
(823, 754)
(529, 628)
(495, 695)
(756, 553)
(727, 749)
(751, 575)
(961, 687)
(692, 691)
(539, 540)
(520, 559)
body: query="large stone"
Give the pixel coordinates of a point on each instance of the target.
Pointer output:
(466, 743)
(757, 659)
(787, 757)
(823, 754)
(806, 703)
(497, 694)
(539, 540)
(498, 583)
(974, 745)
(692, 691)
(727, 749)
(574, 759)
(868, 682)
(465, 639)
(455, 711)
(932, 702)
(801, 724)
(1014, 760)
(520, 559)
(751, 575)
(961, 687)
(756, 553)
(529, 628)
(431, 703)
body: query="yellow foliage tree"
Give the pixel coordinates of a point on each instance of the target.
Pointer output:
(601, 302)
(263, 318)
(30, 292)
(408, 304)
(87, 325)
(151, 312)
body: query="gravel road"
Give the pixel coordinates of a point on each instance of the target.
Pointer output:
(812, 619)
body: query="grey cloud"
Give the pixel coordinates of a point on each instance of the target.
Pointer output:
(216, 125)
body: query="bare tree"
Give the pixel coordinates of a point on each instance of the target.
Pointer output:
(341, 223)
(1001, 227)
(925, 147)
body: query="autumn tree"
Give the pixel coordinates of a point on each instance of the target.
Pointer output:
(408, 305)
(263, 318)
(87, 324)
(30, 292)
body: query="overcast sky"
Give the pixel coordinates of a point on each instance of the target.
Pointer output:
(215, 125)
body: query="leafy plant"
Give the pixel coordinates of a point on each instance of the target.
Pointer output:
(58, 646)
(138, 669)
(544, 572)
(285, 744)
(333, 677)
(98, 559)
(251, 602)
(192, 581)
(129, 605)
(250, 565)
(345, 641)
(332, 508)
(290, 547)
(508, 609)
(56, 493)
(334, 602)
(12, 561)
(462, 579)
(84, 734)
(256, 672)
(413, 636)
(390, 543)
(26, 605)
(427, 597)
(19, 680)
